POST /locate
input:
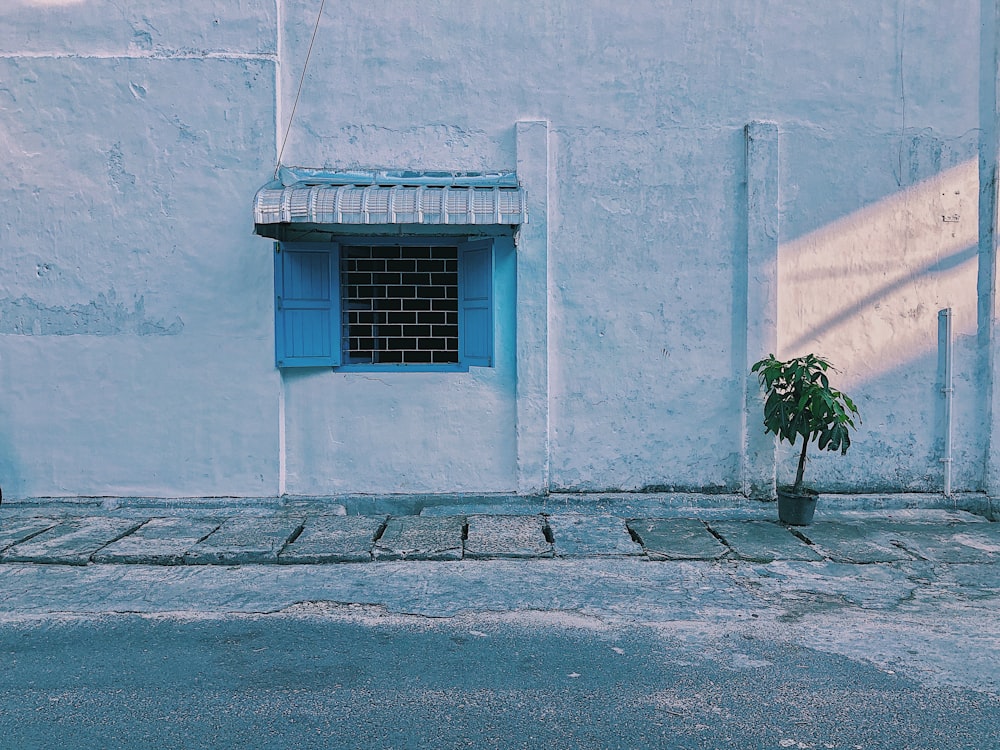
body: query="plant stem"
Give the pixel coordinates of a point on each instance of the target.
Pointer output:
(802, 467)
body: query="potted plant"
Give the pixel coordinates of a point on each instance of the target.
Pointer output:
(801, 403)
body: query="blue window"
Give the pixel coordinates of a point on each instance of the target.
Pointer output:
(380, 303)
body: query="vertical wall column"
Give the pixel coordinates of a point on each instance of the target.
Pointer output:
(279, 48)
(761, 295)
(532, 310)
(988, 332)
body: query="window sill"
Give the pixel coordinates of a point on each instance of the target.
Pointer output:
(402, 368)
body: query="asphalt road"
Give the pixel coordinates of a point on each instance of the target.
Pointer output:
(346, 678)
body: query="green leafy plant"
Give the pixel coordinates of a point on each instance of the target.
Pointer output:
(801, 403)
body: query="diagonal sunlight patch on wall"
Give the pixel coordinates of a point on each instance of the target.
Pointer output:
(864, 291)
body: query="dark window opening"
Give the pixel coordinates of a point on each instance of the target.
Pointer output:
(399, 304)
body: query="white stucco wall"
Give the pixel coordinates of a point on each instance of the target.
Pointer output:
(138, 135)
(647, 105)
(136, 317)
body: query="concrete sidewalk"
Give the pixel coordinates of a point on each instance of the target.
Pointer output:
(911, 590)
(310, 533)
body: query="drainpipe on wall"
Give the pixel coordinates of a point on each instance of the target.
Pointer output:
(948, 391)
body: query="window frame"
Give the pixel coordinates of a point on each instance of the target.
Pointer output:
(485, 354)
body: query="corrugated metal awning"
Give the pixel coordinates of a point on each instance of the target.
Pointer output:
(316, 197)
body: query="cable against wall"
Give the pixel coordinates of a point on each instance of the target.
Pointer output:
(298, 92)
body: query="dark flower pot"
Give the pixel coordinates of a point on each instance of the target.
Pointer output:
(796, 508)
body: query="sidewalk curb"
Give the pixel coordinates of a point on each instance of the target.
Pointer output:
(617, 503)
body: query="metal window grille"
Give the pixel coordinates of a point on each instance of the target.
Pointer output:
(399, 304)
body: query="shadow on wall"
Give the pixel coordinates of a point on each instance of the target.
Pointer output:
(899, 445)
(864, 291)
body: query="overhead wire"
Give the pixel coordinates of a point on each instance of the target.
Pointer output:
(298, 92)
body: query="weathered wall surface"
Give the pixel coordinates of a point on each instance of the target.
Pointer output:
(877, 108)
(879, 233)
(135, 317)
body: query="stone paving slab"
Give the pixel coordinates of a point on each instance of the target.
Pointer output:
(14, 530)
(159, 541)
(854, 542)
(71, 542)
(763, 541)
(584, 535)
(333, 539)
(953, 543)
(421, 538)
(245, 539)
(507, 536)
(529, 508)
(677, 539)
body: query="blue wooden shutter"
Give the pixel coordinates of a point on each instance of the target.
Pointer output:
(306, 305)
(475, 303)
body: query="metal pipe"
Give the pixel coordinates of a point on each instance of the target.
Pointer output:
(948, 391)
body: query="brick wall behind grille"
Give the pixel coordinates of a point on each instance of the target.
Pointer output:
(400, 304)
